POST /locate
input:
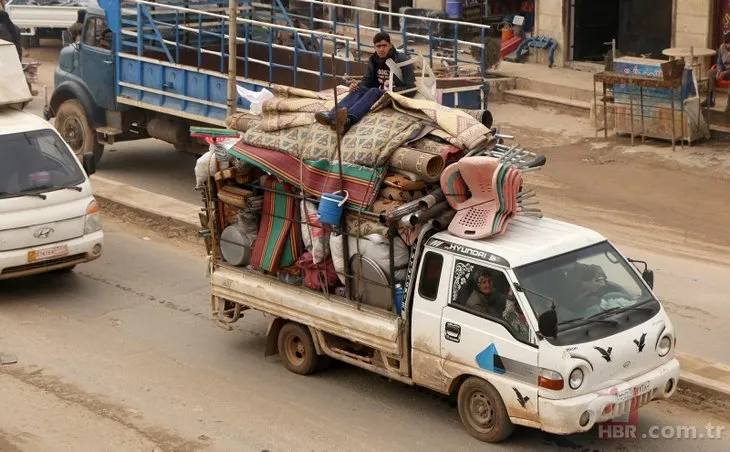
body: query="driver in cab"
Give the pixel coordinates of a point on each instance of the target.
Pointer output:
(592, 284)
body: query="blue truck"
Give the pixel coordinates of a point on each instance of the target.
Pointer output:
(146, 69)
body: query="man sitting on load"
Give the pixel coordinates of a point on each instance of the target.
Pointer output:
(373, 85)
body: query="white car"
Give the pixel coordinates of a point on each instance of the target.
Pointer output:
(49, 219)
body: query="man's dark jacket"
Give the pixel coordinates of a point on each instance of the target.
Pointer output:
(370, 80)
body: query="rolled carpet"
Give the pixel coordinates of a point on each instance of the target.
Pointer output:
(419, 162)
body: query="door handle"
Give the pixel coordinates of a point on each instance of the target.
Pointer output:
(108, 61)
(452, 332)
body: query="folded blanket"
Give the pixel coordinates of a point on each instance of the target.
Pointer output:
(466, 132)
(316, 176)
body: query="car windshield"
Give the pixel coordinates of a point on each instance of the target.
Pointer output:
(37, 161)
(583, 284)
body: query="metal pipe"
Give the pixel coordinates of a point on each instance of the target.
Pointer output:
(424, 215)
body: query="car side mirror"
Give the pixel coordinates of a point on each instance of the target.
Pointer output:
(648, 276)
(548, 323)
(88, 163)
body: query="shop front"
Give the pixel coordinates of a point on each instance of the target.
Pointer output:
(584, 29)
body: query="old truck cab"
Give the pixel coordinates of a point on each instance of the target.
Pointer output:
(49, 219)
(548, 326)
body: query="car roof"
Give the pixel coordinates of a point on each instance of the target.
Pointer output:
(526, 240)
(13, 120)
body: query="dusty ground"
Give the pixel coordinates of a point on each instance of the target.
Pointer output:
(647, 194)
(122, 355)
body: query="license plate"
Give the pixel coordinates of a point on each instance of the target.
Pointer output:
(47, 253)
(630, 393)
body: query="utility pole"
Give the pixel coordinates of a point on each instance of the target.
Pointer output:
(232, 53)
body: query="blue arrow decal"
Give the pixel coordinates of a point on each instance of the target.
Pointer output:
(488, 359)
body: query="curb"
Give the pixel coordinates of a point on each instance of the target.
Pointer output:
(134, 203)
(698, 374)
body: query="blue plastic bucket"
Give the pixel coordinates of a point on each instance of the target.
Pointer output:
(453, 9)
(331, 207)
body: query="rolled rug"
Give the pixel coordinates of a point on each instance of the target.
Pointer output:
(419, 162)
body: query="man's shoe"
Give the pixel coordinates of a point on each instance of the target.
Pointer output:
(323, 118)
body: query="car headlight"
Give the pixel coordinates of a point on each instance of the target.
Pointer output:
(664, 346)
(576, 378)
(93, 218)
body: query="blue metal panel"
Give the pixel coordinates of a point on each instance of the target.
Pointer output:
(196, 89)
(174, 83)
(470, 99)
(151, 78)
(448, 100)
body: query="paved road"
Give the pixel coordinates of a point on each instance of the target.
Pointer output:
(122, 354)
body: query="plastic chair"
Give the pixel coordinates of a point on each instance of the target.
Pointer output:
(720, 83)
(475, 217)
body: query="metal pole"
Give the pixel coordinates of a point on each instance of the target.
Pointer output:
(232, 59)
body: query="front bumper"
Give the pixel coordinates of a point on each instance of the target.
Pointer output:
(563, 416)
(14, 264)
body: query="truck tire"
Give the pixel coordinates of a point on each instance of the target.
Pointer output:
(482, 411)
(296, 349)
(74, 127)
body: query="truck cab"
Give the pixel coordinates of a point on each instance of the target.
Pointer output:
(83, 101)
(547, 326)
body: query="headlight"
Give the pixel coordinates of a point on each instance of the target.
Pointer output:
(664, 346)
(93, 218)
(576, 378)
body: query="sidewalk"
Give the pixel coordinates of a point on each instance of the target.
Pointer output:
(697, 374)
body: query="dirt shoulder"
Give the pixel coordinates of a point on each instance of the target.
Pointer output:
(659, 199)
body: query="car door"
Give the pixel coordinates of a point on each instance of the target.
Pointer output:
(430, 291)
(97, 61)
(491, 340)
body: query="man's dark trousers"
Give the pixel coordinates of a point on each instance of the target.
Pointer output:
(358, 103)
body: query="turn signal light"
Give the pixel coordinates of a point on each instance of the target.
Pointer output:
(93, 207)
(550, 379)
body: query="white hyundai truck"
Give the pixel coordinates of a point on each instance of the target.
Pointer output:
(49, 219)
(595, 341)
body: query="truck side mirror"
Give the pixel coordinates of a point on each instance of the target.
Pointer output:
(88, 163)
(648, 276)
(548, 323)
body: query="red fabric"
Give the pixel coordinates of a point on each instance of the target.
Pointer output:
(316, 274)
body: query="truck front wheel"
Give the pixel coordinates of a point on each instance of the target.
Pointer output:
(75, 129)
(296, 349)
(482, 411)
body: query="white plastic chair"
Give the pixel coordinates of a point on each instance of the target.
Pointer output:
(426, 86)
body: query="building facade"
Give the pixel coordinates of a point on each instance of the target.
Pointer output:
(585, 28)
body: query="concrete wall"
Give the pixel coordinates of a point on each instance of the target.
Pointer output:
(550, 21)
(692, 21)
(429, 4)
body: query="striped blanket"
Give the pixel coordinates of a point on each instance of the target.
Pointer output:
(317, 176)
(279, 241)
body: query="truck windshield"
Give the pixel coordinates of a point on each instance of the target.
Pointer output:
(34, 162)
(584, 284)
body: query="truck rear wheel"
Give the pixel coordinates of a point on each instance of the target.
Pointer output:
(75, 129)
(296, 349)
(482, 411)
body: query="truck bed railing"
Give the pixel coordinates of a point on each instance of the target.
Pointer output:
(173, 56)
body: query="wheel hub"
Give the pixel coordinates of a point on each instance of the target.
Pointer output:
(295, 349)
(482, 410)
(73, 133)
